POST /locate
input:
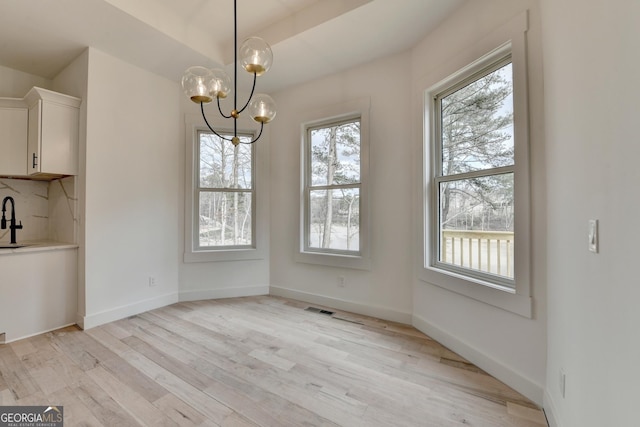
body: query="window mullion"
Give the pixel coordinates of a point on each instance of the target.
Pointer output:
(476, 174)
(334, 186)
(225, 190)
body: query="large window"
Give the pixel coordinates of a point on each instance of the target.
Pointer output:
(476, 164)
(334, 218)
(226, 207)
(225, 194)
(332, 187)
(474, 175)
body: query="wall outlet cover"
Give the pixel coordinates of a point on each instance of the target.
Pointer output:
(593, 235)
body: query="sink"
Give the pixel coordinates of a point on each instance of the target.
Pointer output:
(11, 246)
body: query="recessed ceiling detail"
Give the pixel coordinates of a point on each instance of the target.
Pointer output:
(166, 36)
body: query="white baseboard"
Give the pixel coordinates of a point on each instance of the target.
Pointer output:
(485, 362)
(550, 410)
(204, 294)
(97, 319)
(354, 307)
(37, 333)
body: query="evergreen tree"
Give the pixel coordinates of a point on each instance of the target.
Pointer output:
(477, 134)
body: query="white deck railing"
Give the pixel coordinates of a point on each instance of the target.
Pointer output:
(488, 251)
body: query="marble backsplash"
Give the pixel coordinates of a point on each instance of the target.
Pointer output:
(48, 210)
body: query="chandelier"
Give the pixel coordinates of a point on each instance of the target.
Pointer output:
(202, 85)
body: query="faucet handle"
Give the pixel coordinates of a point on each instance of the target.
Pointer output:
(19, 226)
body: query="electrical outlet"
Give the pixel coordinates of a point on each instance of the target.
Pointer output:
(341, 282)
(152, 281)
(562, 382)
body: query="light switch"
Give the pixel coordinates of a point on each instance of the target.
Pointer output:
(593, 235)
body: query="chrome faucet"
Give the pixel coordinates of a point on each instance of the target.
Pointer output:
(12, 221)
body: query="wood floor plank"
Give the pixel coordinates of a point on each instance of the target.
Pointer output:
(89, 353)
(243, 396)
(103, 335)
(101, 405)
(7, 398)
(175, 366)
(3, 383)
(210, 407)
(137, 406)
(526, 412)
(75, 412)
(236, 420)
(255, 361)
(48, 379)
(23, 347)
(72, 344)
(15, 375)
(179, 411)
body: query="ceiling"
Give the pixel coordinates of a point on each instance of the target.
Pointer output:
(309, 38)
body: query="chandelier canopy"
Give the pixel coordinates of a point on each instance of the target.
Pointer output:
(202, 85)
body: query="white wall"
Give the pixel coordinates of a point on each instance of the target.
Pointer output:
(591, 69)
(132, 187)
(16, 84)
(73, 80)
(385, 290)
(223, 279)
(510, 347)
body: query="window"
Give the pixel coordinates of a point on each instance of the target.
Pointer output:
(334, 217)
(474, 176)
(225, 211)
(476, 172)
(332, 188)
(225, 193)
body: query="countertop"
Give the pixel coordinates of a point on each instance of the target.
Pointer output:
(37, 246)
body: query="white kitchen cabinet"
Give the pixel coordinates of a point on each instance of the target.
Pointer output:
(13, 137)
(39, 292)
(52, 142)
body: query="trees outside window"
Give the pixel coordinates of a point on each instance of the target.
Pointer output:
(225, 193)
(474, 174)
(332, 187)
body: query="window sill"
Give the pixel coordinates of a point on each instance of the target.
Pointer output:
(224, 255)
(495, 295)
(334, 260)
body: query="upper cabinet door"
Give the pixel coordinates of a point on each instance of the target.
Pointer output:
(53, 133)
(13, 137)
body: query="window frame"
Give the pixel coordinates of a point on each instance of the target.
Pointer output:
(194, 124)
(484, 68)
(342, 113)
(198, 190)
(309, 187)
(507, 40)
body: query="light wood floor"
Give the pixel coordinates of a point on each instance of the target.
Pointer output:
(257, 361)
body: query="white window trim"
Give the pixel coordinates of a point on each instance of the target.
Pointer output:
(193, 124)
(357, 108)
(509, 38)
